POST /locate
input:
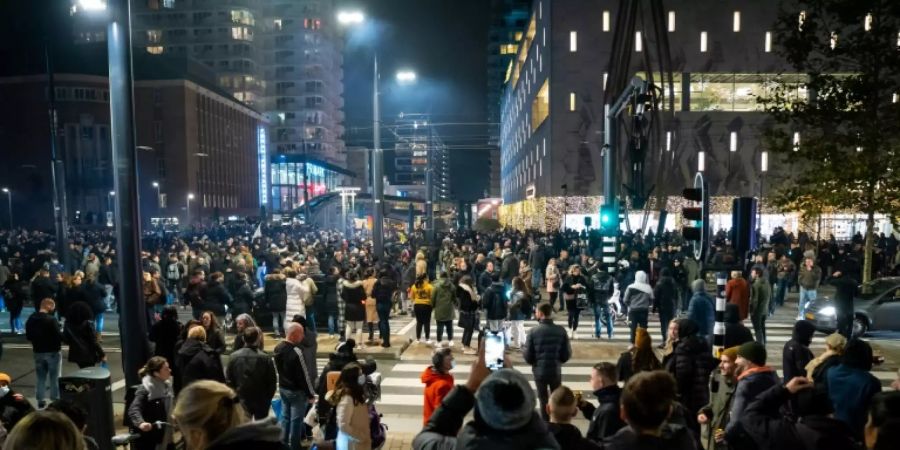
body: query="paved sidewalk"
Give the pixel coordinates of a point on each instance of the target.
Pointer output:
(398, 441)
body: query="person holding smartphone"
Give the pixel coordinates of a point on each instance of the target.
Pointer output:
(547, 348)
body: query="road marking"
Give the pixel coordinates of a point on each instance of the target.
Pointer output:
(118, 385)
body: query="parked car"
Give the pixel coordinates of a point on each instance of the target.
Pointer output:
(875, 308)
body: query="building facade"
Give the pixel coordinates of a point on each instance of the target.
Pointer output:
(418, 147)
(553, 103)
(193, 139)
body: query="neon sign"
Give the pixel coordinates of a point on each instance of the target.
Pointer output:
(262, 161)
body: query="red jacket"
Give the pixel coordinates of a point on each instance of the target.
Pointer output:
(437, 386)
(737, 291)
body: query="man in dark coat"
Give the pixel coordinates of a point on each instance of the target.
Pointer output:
(796, 353)
(296, 386)
(509, 269)
(547, 348)
(605, 419)
(735, 331)
(251, 373)
(846, 289)
(690, 364)
(665, 299)
(754, 377)
(383, 293)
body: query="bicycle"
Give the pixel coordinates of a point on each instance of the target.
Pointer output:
(126, 440)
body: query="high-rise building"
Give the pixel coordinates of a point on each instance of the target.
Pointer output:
(508, 20)
(417, 148)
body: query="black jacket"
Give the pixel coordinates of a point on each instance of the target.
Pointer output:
(796, 354)
(165, 334)
(748, 388)
(43, 287)
(84, 350)
(13, 410)
(42, 330)
(353, 294)
(196, 361)
(605, 420)
(735, 332)
(243, 300)
(569, 437)
(665, 295)
(509, 269)
(772, 431)
(494, 302)
(93, 294)
(291, 375)
(484, 281)
(252, 374)
(275, 291)
(261, 435)
(383, 291)
(691, 364)
(674, 437)
(547, 348)
(216, 298)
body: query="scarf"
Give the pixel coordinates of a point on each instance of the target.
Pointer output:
(753, 371)
(471, 292)
(157, 388)
(811, 367)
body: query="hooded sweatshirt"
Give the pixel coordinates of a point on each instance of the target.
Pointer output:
(639, 295)
(796, 353)
(437, 386)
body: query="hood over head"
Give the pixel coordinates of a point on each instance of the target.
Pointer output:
(803, 332)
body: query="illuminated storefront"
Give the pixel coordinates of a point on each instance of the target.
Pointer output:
(287, 180)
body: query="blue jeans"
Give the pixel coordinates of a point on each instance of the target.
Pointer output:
(806, 296)
(781, 291)
(311, 318)
(602, 310)
(98, 320)
(47, 365)
(536, 279)
(332, 323)
(278, 322)
(293, 410)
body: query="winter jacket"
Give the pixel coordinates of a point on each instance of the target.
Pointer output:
(771, 430)
(290, 362)
(165, 334)
(261, 435)
(760, 296)
(809, 279)
(275, 292)
(520, 306)
(674, 437)
(251, 373)
(216, 298)
(721, 393)
(197, 361)
(84, 350)
(603, 286)
(354, 295)
(735, 332)
(547, 348)
(383, 292)
(494, 301)
(12, 410)
(41, 288)
(796, 354)
(817, 369)
(604, 418)
(665, 296)
(701, 310)
(243, 300)
(93, 294)
(569, 437)
(153, 401)
(751, 384)
(509, 268)
(443, 300)
(691, 365)
(737, 291)
(639, 295)
(484, 281)
(851, 391)
(296, 291)
(467, 300)
(477, 435)
(437, 386)
(42, 330)
(329, 289)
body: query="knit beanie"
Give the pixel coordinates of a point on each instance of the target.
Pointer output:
(754, 352)
(642, 338)
(505, 401)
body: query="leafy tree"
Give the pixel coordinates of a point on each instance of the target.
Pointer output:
(838, 132)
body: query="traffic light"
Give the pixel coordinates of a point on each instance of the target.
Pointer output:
(695, 218)
(609, 220)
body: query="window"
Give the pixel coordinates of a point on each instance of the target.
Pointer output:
(796, 141)
(540, 106)
(638, 43)
(736, 22)
(701, 161)
(605, 21)
(154, 36)
(668, 141)
(571, 101)
(768, 45)
(573, 41)
(276, 24)
(834, 40)
(702, 42)
(155, 50)
(868, 23)
(157, 96)
(671, 21)
(168, 4)
(242, 33)
(158, 131)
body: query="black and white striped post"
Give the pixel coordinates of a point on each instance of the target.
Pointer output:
(719, 330)
(608, 245)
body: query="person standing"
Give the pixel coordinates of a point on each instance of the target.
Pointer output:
(639, 358)
(80, 334)
(354, 298)
(295, 387)
(796, 354)
(371, 311)
(153, 402)
(547, 348)
(438, 380)
(420, 293)
(638, 298)
(197, 361)
(275, 294)
(760, 296)
(251, 373)
(737, 291)
(519, 310)
(665, 300)
(42, 330)
(561, 409)
(383, 292)
(15, 293)
(604, 418)
(785, 273)
(702, 309)
(443, 295)
(753, 378)
(468, 300)
(690, 364)
(553, 281)
(714, 416)
(808, 278)
(851, 385)
(351, 410)
(846, 289)
(575, 290)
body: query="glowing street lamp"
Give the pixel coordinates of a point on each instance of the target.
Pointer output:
(350, 17)
(406, 76)
(9, 200)
(188, 209)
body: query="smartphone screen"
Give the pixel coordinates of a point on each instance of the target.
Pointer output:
(494, 347)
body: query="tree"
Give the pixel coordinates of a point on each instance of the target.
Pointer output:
(838, 130)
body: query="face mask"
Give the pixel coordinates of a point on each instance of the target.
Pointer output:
(452, 365)
(361, 380)
(4, 390)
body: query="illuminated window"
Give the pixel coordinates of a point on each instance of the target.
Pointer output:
(242, 17)
(540, 106)
(796, 141)
(509, 49)
(834, 40)
(736, 22)
(168, 4)
(768, 42)
(800, 19)
(571, 101)
(154, 36)
(605, 21)
(703, 42)
(573, 41)
(638, 43)
(519, 35)
(242, 33)
(155, 50)
(671, 21)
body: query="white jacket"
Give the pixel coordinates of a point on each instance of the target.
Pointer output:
(296, 292)
(354, 432)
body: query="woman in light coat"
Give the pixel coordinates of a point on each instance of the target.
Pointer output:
(552, 277)
(351, 410)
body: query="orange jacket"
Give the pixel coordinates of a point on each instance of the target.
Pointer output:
(437, 386)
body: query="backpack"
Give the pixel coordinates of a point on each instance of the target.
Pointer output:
(173, 271)
(378, 429)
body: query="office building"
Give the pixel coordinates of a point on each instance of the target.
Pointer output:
(418, 147)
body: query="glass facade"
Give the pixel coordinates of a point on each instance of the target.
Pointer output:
(287, 183)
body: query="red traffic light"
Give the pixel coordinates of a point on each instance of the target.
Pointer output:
(693, 194)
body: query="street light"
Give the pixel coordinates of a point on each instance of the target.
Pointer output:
(109, 197)
(350, 17)
(406, 76)
(90, 5)
(9, 199)
(158, 196)
(188, 209)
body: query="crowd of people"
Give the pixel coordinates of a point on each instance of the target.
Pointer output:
(297, 280)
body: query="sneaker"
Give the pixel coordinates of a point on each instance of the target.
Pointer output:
(469, 351)
(41, 404)
(429, 342)
(420, 341)
(450, 344)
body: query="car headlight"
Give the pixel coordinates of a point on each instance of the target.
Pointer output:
(828, 311)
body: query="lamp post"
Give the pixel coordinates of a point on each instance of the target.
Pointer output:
(187, 208)
(9, 200)
(109, 197)
(158, 196)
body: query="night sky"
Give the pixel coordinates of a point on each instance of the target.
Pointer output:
(445, 42)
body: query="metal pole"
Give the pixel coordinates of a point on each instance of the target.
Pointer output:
(57, 168)
(132, 321)
(187, 221)
(609, 158)
(9, 200)
(429, 206)
(377, 168)
(306, 183)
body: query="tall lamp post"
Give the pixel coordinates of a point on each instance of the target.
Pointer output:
(109, 197)
(133, 320)
(158, 196)
(9, 200)
(187, 221)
